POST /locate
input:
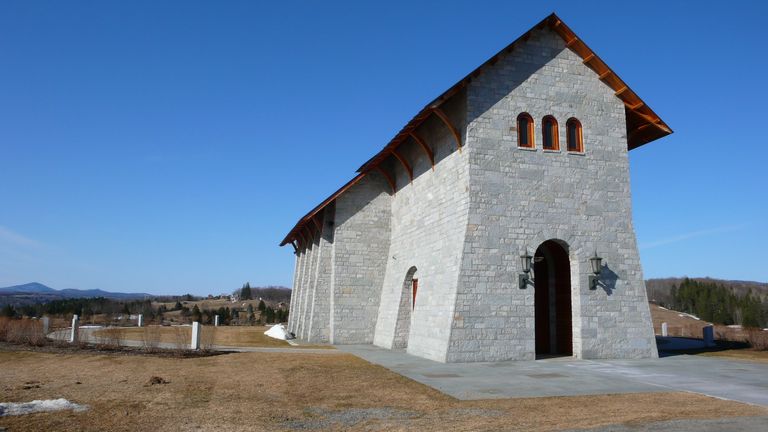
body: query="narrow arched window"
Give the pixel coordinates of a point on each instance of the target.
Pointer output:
(525, 130)
(550, 133)
(574, 136)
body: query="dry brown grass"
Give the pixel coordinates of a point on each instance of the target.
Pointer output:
(757, 338)
(22, 331)
(150, 338)
(277, 391)
(677, 325)
(686, 326)
(111, 337)
(741, 354)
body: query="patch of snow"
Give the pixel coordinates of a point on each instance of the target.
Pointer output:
(90, 326)
(278, 332)
(735, 326)
(36, 406)
(684, 315)
(662, 307)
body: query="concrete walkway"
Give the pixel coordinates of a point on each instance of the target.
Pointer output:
(731, 424)
(728, 379)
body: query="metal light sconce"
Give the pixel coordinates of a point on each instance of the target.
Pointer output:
(597, 265)
(525, 262)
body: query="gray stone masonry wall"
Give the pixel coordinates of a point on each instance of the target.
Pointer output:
(291, 316)
(360, 250)
(520, 198)
(296, 292)
(308, 254)
(307, 299)
(464, 224)
(321, 307)
(317, 252)
(429, 218)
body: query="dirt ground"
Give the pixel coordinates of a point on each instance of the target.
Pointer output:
(740, 354)
(279, 391)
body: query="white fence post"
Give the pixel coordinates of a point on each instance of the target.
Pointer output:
(664, 329)
(195, 345)
(141, 320)
(216, 320)
(46, 325)
(75, 327)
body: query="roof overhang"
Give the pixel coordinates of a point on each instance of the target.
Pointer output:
(643, 124)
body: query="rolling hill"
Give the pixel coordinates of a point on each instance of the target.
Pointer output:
(34, 292)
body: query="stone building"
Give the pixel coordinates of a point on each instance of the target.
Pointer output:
(523, 162)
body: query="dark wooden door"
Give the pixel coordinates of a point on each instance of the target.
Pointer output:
(554, 324)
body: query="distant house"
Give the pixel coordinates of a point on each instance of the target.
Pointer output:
(473, 234)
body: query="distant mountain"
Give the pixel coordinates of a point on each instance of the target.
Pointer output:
(658, 289)
(34, 292)
(32, 287)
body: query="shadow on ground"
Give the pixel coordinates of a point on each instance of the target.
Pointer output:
(674, 346)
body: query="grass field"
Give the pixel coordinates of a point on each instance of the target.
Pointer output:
(741, 354)
(287, 391)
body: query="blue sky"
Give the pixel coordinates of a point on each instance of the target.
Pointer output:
(167, 147)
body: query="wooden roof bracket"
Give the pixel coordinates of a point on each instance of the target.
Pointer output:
(588, 58)
(387, 177)
(605, 74)
(449, 125)
(405, 164)
(641, 127)
(654, 122)
(424, 147)
(303, 242)
(636, 106)
(621, 90)
(311, 233)
(571, 42)
(295, 248)
(318, 225)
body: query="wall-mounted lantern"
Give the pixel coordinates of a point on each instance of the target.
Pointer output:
(525, 262)
(597, 265)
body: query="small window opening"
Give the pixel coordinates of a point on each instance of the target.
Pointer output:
(574, 135)
(525, 130)
(549, 130)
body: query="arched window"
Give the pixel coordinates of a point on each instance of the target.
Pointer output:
(549, 131)
(573, 135)
(525, 131)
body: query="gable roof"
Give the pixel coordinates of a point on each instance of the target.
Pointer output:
(643, 124)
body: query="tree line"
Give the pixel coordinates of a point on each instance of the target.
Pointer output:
(88, 307)
(83, 307)
(718, 304)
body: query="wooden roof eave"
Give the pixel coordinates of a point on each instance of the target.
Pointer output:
(319, 207)
(573, 42)
(633, 103)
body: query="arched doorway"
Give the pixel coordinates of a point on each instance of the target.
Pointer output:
(552, 276)
(407, 303)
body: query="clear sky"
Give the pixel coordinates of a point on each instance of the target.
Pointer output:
(167, 147)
